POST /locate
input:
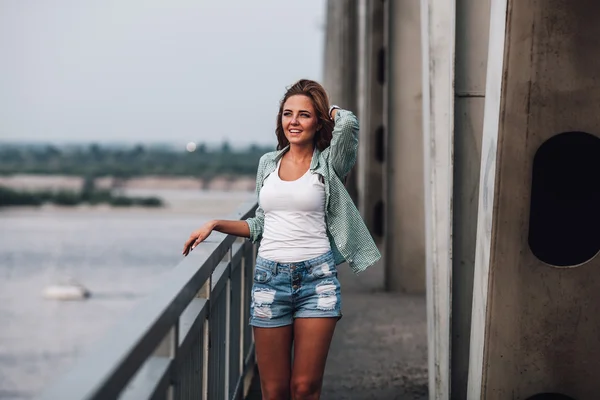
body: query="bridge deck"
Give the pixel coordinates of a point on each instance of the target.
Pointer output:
(379, 350)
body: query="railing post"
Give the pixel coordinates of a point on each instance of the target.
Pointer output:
(168, 348)
(229, 258)
(204, 293)
(249, 260)
(243, 306)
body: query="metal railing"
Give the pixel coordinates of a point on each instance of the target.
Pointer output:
(190, 339)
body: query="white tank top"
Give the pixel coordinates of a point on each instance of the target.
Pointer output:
(294, 227)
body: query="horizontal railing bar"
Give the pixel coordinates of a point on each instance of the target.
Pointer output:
(151, 381)
(219, 279)
(104, 370)
(191, 322)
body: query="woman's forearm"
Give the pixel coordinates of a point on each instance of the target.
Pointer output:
(344, 143)
(236, 228)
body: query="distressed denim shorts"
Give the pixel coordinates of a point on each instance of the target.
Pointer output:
(284, 291)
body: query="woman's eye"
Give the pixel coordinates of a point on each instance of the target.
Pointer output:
(289, 114)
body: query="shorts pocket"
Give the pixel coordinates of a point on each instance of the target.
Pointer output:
(262, 275)
(324, 270)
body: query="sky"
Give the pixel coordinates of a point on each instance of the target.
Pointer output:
(153, 71)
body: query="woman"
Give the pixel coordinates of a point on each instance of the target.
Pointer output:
(306, 224)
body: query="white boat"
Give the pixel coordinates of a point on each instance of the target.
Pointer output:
(70, 290)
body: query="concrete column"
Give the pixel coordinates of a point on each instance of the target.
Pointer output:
(472, 29)
(341, 64)
(404, 242)
(536, 303)
(371, 151)
(437, 27)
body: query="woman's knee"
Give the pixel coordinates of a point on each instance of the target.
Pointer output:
(305, 388)
(275, 391)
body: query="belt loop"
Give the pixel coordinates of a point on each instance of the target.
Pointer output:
(274, 268)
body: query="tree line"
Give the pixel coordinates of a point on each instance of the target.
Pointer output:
(88, 194)
(95, 160)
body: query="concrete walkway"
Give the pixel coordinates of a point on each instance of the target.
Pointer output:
(379, 350)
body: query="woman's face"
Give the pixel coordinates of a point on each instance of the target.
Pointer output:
(299, 120)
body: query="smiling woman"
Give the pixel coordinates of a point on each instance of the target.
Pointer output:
(307, 101)
(306, 224)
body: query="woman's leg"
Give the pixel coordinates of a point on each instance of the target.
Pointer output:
(273, 355)
(312, 338)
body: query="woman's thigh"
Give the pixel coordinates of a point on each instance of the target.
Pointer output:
(273, 348)
(312, 339)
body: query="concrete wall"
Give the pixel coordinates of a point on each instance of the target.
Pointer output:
(472, 31)
(404, 207)
(371, 152)
(536, 321)
(437, 27)
(340, 73)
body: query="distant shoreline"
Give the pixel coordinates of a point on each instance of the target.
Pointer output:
(67, 182)
(73, 191)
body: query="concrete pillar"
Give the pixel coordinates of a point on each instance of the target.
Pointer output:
(340, 77)
(536, 303)
(437, 27)
(472, 29)
(404, 242)
(371, 151)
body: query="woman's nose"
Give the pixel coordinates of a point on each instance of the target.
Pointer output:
(294, 120)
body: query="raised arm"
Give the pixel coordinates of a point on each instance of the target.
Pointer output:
(344, 144)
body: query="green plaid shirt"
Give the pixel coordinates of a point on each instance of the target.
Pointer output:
(349, 237)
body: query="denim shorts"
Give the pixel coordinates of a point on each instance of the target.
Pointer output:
(284, 291)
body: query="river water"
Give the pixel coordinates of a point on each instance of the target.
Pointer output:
(119, 254)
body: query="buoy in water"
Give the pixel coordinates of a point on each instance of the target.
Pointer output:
(70, 290)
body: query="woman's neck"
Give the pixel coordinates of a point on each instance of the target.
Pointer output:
(300, 153)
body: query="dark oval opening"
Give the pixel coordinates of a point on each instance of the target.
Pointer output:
(550, 396)
(381, 66)
(380, 144)
(378, 221)
(564, 222)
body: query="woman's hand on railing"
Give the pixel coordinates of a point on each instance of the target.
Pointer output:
(198, 237)
(236, 228)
